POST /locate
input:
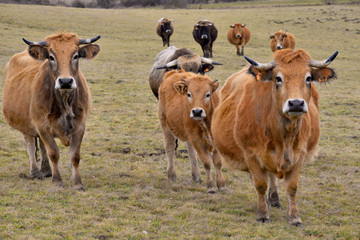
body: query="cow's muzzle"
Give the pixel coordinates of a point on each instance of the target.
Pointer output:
(197, 113)
(204, 36)
(238, 35)
(295, 107)
(279, 47)
(65, 84)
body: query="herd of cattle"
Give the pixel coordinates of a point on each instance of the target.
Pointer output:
(264, 120)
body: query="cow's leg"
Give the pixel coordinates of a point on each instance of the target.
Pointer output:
(195, 173)
(54, 155)
(260, 179)
(220, 181)
(210, 49)
(238, 50)
(31, 150)
(169, 140)
(242, 50)
(204, 50)
(45, 166)
(164, 40)
(273, 192)
(74, 155)
(168, 41)
(291, 183)
(206, 161)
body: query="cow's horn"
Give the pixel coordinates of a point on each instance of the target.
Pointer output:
(42, 43)
(209, 61)
(284, 33)
(169, 64)
(261, 66)
(319, 64)
(87, 41)
(243, 25)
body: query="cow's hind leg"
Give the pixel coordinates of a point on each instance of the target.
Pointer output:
(30, 146)
(45, 166)
(220, 181)
(273, 196)
(74, 155)
(195, 173)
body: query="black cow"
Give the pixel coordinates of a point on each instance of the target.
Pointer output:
(205, 33)
(165, 29)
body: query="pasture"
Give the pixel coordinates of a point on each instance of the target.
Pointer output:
(123, 165)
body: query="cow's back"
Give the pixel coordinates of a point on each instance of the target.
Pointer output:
(291, 42)
(19, 74)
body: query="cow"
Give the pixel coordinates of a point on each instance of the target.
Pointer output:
(186, 104)
(281, 40)
(267, 123)
(165, 28)
(46, 96)
(177, 58)
(205, 33)
(237, 35)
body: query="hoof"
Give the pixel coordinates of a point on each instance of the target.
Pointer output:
(36, 175)
(196, 179)
(46, 174)
(223, 189)
(274, 200)
(58, 184)
(296, 222)
(172, 177)
(79, 187)
(263, 219)
(211, 190)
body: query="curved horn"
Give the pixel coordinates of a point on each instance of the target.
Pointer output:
(86, 41)
(42, 43)
(209, 61)
(261, 66)
(284, 33)
(243, 25)
(319, 64)
(169, 64)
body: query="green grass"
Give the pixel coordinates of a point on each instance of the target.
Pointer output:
(128, 195)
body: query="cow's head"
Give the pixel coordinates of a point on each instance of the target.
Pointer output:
(278, 39)
(165, 25)
(62, 51)
(203, 29)
(198, 89)
(191, 63)
(292, 73)
(238, 29)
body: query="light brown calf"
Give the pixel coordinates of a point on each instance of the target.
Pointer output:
(281, 40)
(267, 123)
(186, 104)
(239, 35)
(46, 97)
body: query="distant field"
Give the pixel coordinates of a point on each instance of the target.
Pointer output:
(127, 194)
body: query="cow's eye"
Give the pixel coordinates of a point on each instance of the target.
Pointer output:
(189, 95)
(207, 95)
(51, 57)
(76, 57)
(308, 79)
(279, 80)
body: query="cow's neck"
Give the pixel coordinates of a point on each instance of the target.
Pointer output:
(206, 137)
(65, 103)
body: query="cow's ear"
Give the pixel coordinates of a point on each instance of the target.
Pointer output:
(205, 67)
(181, 87)
(323, 74)
(261, 75)
(38, 52)
(89, 51)
(272, 36)
(214, 85)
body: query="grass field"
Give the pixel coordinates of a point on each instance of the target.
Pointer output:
(123, 166)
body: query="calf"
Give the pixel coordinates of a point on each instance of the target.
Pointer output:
(186, 104)
(281, 40)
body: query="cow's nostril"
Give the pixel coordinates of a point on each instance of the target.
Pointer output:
(291, 104)
(302, 104)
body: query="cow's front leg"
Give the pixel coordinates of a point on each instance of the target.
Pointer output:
(273, 196)
(45, 166)
(74, 155)
(260, 179)
(206, 161)
(31, 150)
(238, 50)
(291, 182)
(220, 181)
(195, 173)
(54, 155)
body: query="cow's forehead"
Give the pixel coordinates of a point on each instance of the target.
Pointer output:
(63, 42)
(199, 84)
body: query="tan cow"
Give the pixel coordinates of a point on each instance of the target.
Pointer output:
(239, 35)
(46, 97)
(281, 40)
(267, 123)
(186, 104)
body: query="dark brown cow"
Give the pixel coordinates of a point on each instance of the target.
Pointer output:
(267, 123)
(165, 28)
(239, 34)
(177, 58)
(46, 97)
(281, 40)
(205, 33)
(186, 104)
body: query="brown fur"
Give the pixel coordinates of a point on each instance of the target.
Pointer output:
(253, 134)
(174, 113)
(244, 38)
(286, 40)
(160, 30)
(32, 105)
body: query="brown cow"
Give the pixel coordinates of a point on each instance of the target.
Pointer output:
(267, 123)
(238, 35)
(46, 96)
(165, 28)
(186, 104)
(281, 40)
